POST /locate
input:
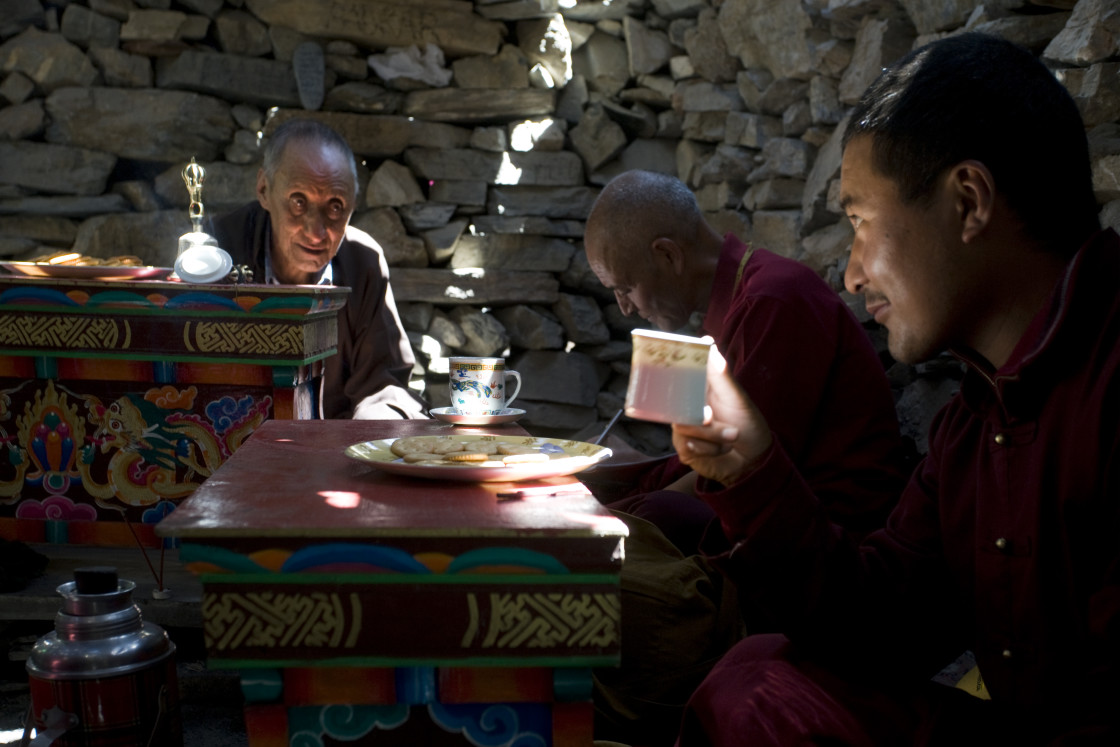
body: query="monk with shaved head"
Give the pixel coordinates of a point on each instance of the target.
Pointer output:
(789, 340)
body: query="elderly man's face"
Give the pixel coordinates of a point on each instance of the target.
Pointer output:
(309, 200)
(644, 282)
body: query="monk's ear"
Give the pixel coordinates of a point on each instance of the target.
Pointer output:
(262, 189)
(975, 193)
(668, 253)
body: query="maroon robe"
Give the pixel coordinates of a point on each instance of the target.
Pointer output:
(1006, 542)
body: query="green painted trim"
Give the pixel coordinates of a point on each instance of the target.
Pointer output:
(149, 357)
(318, 579)
(286, 377)
(605, 660)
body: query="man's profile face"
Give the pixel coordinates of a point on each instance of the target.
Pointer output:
(642, 282)
(904, 259)
(309, 201)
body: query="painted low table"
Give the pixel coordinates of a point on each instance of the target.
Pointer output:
(118, 397)
(371, 608)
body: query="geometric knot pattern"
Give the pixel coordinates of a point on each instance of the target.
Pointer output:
(543, 620)
(68, 332)
(270, 619)
(234, 337)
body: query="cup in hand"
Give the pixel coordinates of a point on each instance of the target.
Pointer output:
(668, 377)
(478, 385)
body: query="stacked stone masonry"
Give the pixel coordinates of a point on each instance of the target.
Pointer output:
(484, 130)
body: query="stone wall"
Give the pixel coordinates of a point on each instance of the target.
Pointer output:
(485, 129)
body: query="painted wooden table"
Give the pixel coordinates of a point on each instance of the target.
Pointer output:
(373, 608)
(118, 397)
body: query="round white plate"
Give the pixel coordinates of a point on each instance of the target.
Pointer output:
(565, 458)
(451, 415)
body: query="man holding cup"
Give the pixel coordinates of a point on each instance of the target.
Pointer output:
(791, 340)
(1003, 544)
(784, 332)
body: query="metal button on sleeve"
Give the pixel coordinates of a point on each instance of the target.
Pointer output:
(1001, 543)
(1000, 439)
(1006, 653)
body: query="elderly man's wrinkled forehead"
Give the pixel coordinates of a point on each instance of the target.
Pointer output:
(305, 151)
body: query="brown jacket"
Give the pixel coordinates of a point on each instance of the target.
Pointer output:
(368, 378)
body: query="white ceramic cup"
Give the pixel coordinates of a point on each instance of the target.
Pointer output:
(478, 385)
(668, 377)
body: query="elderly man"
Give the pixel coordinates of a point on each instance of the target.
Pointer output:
(298, 232)
(789, 337)
(968, 237)
(792, 339)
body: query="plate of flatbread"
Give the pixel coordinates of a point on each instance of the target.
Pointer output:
(81, 267)
(479, 458)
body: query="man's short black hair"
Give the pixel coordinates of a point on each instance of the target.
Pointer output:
(975, 96)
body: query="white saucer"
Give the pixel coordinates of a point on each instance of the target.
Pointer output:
(451, 415)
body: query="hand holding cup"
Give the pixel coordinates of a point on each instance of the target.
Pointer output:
(668, 381)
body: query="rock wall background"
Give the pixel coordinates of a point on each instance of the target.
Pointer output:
(485, 130)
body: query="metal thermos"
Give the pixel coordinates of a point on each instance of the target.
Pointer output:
(104, 676)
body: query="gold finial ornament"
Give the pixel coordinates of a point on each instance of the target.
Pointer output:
(194, 175)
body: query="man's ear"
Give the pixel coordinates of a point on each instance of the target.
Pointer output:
(669, 252)
(975, 191)
(262, 189)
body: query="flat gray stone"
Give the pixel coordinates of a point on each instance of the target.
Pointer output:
(243, 79)
(55, 169)
(470, 192)
(485, 335)
(20, 14)
(507, 69)
(42, 229)
(86, 28)
(545, 202)
(48, 59)
(422, 216)
(516, 10)
(146, 124)
(479, 105)
(240, 33)
(16, 88)
(22, 121)
(450, 26)
(530, 329)
(374, 135)
(309, 68)
(440, 241)
(450, 287)
(512, 252)
(121, 69)
(363, 98)
(65, 207)
(536, 169)
(153, 25)
(401, 250)
(582, 319)
(528, 224)
(555, 376)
